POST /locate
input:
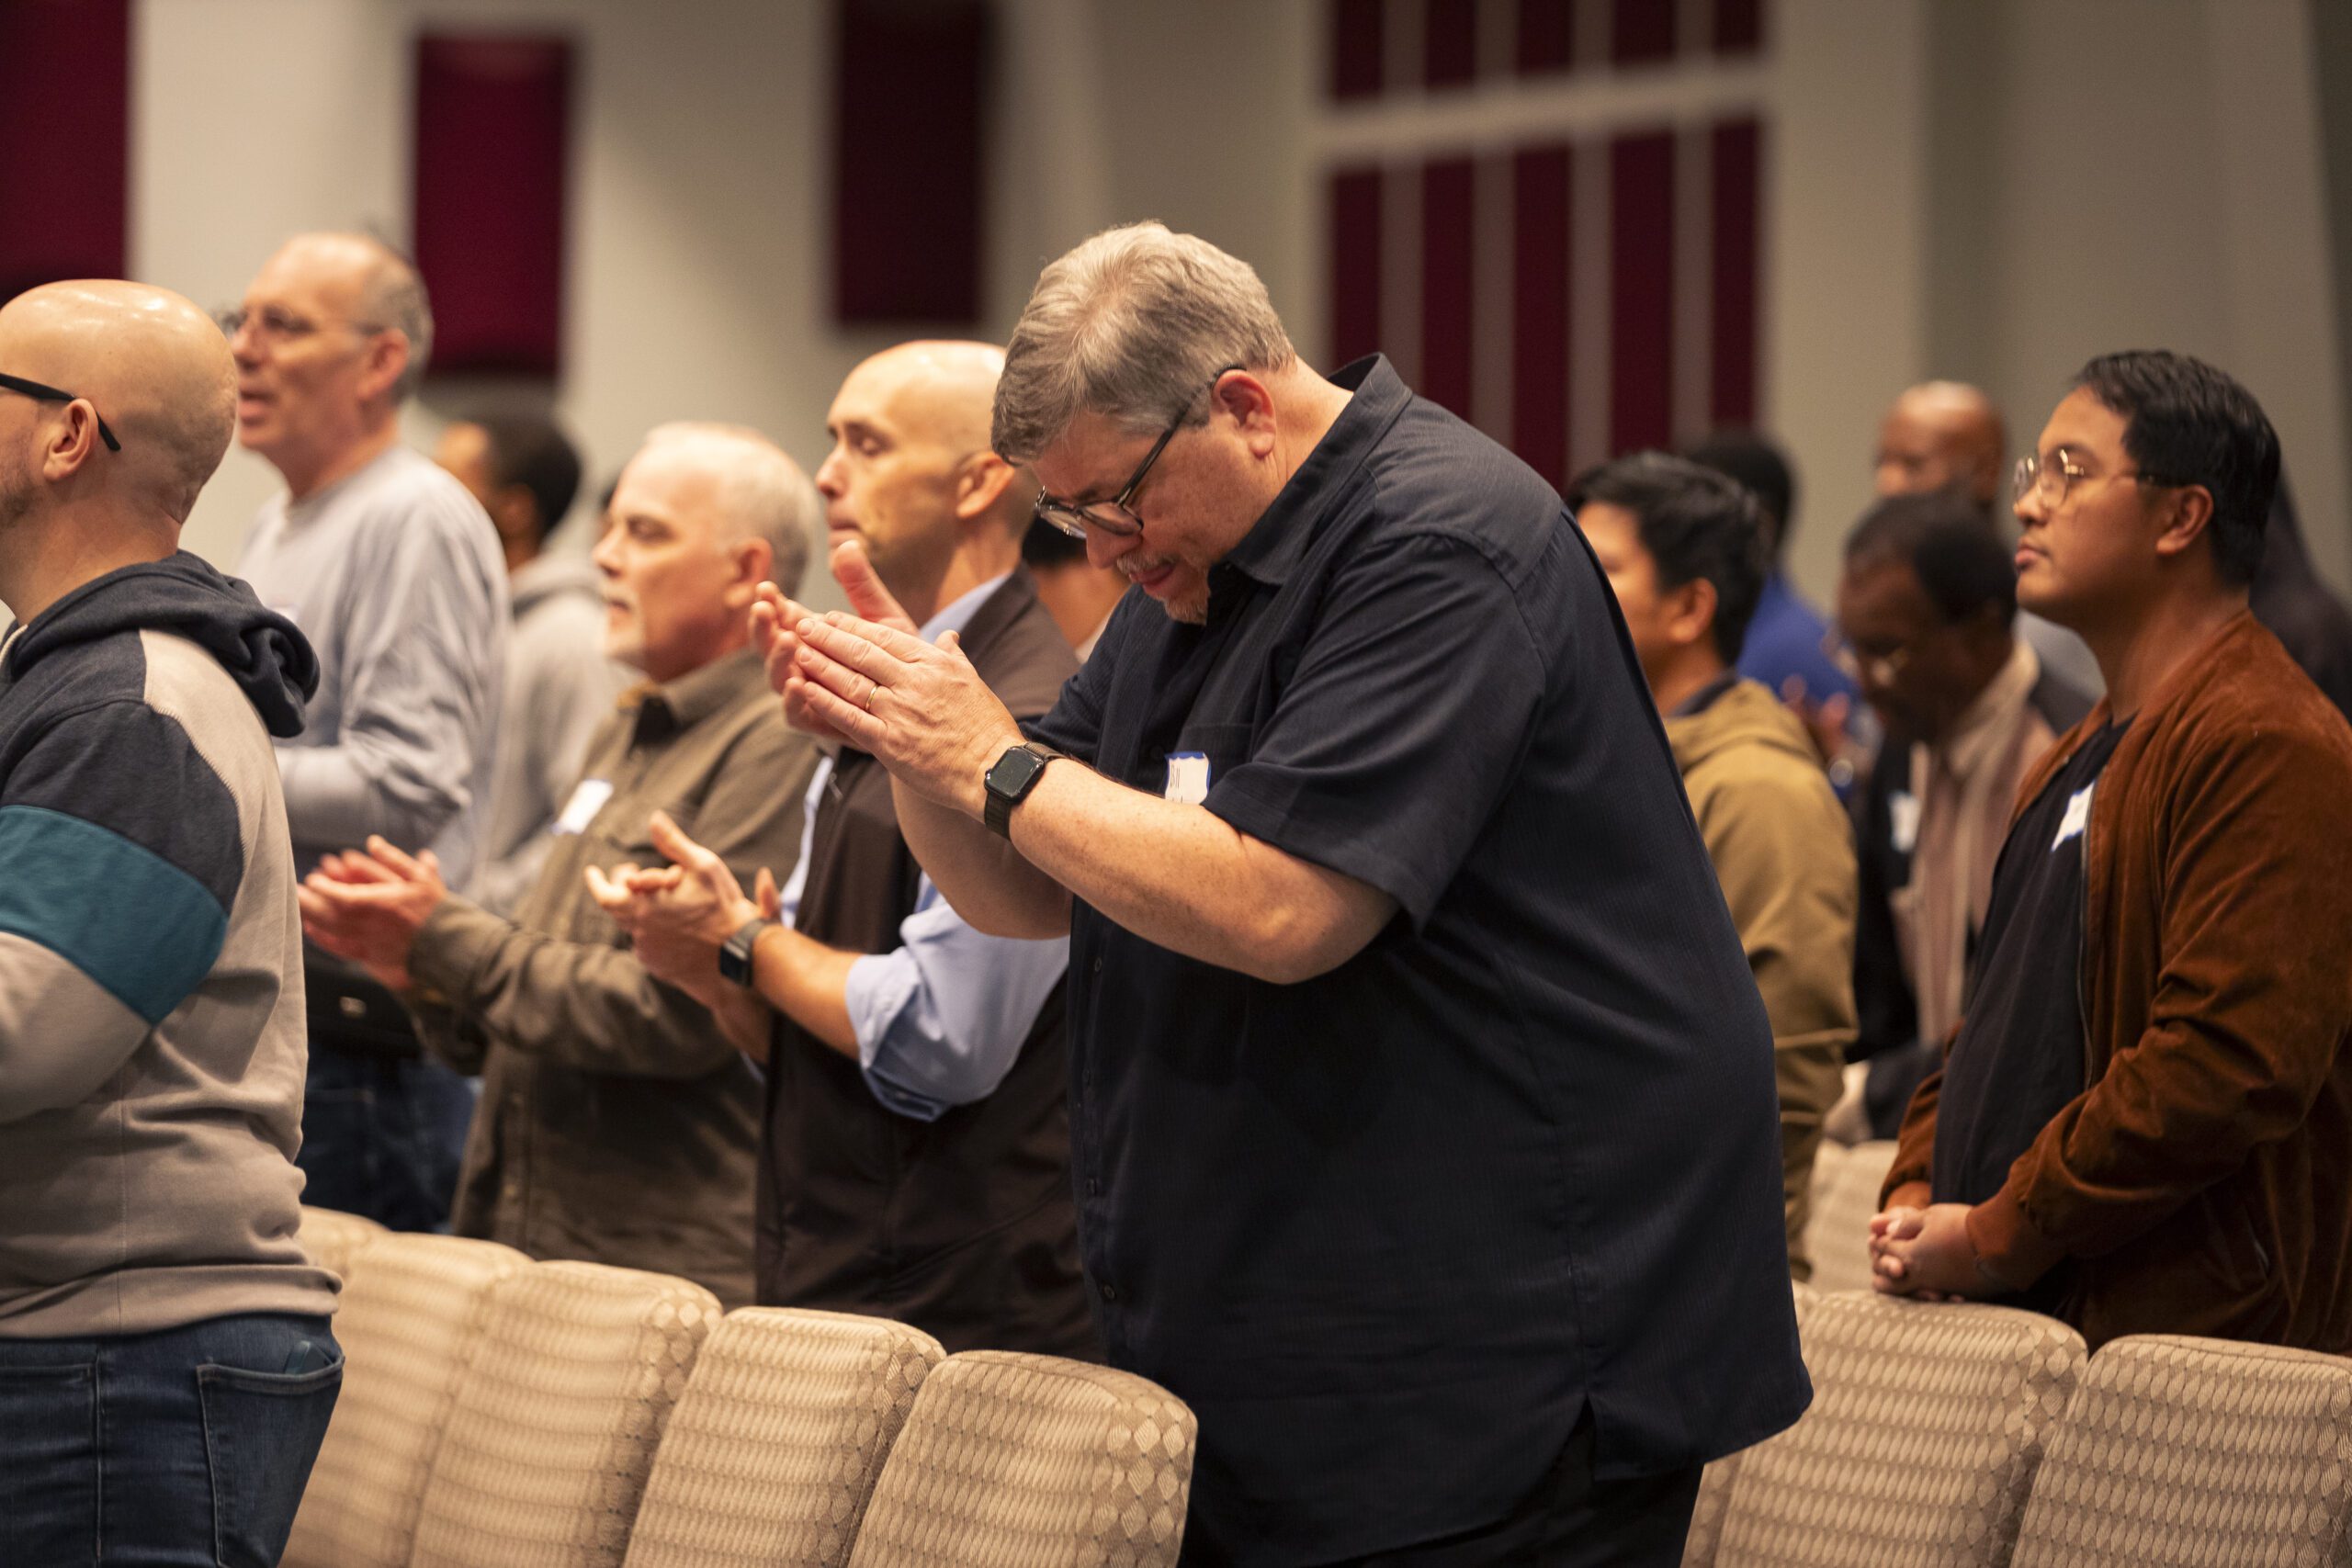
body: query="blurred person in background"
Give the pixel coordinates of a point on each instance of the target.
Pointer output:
(1686, 554)
(393, 573)
(618, 1124)
(916, 1158)
(1927, 600)
(560, 687)
(166, 1365)
(2145, 1122)
(1079, 594)
(1947, 435)
(2302, 611)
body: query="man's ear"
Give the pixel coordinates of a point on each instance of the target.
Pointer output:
(66, 446)
(1691, 611)
(2188, 516)
(1247, 402)
(387, 358)
(755, 562)
(980, 481)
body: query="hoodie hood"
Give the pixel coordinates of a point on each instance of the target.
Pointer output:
(1748, 713)
(184, 596)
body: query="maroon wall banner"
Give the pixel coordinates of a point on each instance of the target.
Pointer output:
(492, 128)
(66, 123)
(907, 185)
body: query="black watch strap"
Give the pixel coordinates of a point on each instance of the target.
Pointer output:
(1008, 784)
(735, 953)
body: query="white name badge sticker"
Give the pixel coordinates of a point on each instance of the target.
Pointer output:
(581, 808)
(1903, 811)
(1188, 777)
(2078, 815)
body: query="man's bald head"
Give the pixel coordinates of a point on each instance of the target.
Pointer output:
(378, 284)
(149, 362)
(1941, 436)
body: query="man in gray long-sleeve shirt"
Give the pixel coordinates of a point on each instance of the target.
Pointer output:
(393, 573)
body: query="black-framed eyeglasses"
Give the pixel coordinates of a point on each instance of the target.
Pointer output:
(54, 395)
(2052, 482)
(1115, 516)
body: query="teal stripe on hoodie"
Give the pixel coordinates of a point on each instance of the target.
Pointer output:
(139, 926)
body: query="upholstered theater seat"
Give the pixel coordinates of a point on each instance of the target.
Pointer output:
(334, 1239)
(774, 1449)
(408, 1324)
(1927, 1425)
(557, 1417)
(1029, 1461)
(2185, 1453)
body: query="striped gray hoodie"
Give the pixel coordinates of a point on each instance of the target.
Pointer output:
(151, 1043)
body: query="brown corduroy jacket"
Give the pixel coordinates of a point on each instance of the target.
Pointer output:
(2202, 1182)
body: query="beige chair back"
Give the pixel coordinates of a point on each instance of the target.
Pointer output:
(334, 1238)
(1015, 1460)
(408, 1323)
(1716, 1482)
(774, 1449)
(2178, 1453)
(1838, 1237)
(557, 1420)
(1928, 1422)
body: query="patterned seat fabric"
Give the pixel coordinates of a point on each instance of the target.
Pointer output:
(2198, 1453)
(1030, 1461)
(1838, 1237)
(1716, 1482)
(557, 1417)
(1928, 1422)
(774, 1449)
(334, 1238)
(408, 1326)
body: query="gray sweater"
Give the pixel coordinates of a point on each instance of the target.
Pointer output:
(395, 576)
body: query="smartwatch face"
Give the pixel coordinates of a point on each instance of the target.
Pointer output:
(1013, 773)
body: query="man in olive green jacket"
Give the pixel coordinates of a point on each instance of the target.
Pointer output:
(1687, 559)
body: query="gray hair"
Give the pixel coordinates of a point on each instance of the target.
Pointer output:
(763, 494)
(394, 297)
(1130, 326)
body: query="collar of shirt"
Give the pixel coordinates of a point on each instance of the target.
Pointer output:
(1280, 536)
(674, 706)
(1986, 724)
(955, 616)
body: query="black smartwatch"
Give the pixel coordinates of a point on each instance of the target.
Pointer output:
(1015, 775)
(735, 953)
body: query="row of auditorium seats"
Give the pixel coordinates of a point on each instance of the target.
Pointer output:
(496, 1411)
(1962, 1435)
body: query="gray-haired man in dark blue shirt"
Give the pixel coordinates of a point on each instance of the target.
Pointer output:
(1422, 1114)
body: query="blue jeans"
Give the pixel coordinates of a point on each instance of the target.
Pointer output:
(188, 1446)
(382, 1136)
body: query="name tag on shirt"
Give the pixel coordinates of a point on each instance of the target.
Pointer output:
(2078, 814)
(581, 808)
(1188, 777)
(1903, 807)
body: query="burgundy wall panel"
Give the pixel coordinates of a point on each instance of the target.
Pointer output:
(1641, 32)
(1740, 27)
(66, 123)
(1355, 265)
(907, 185)
(493, 129)
(1546, 36)
(1448, 230)
(1641, 291)
(1540, 290)
(1450, 38)
(1731, 402)
(1357, 40)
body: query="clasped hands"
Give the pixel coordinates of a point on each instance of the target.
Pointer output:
(1927, 1252)
(867, 680)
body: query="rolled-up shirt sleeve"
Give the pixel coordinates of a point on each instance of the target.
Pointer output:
(940, 1019)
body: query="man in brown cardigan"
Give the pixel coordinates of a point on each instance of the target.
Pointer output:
(2144, 1121)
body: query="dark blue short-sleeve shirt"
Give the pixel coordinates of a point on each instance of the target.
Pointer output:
(1390, 1230)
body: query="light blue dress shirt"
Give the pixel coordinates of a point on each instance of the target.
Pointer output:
(941, 1018)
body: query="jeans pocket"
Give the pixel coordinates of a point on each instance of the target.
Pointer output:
(262, 1432)
(48, 1465)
